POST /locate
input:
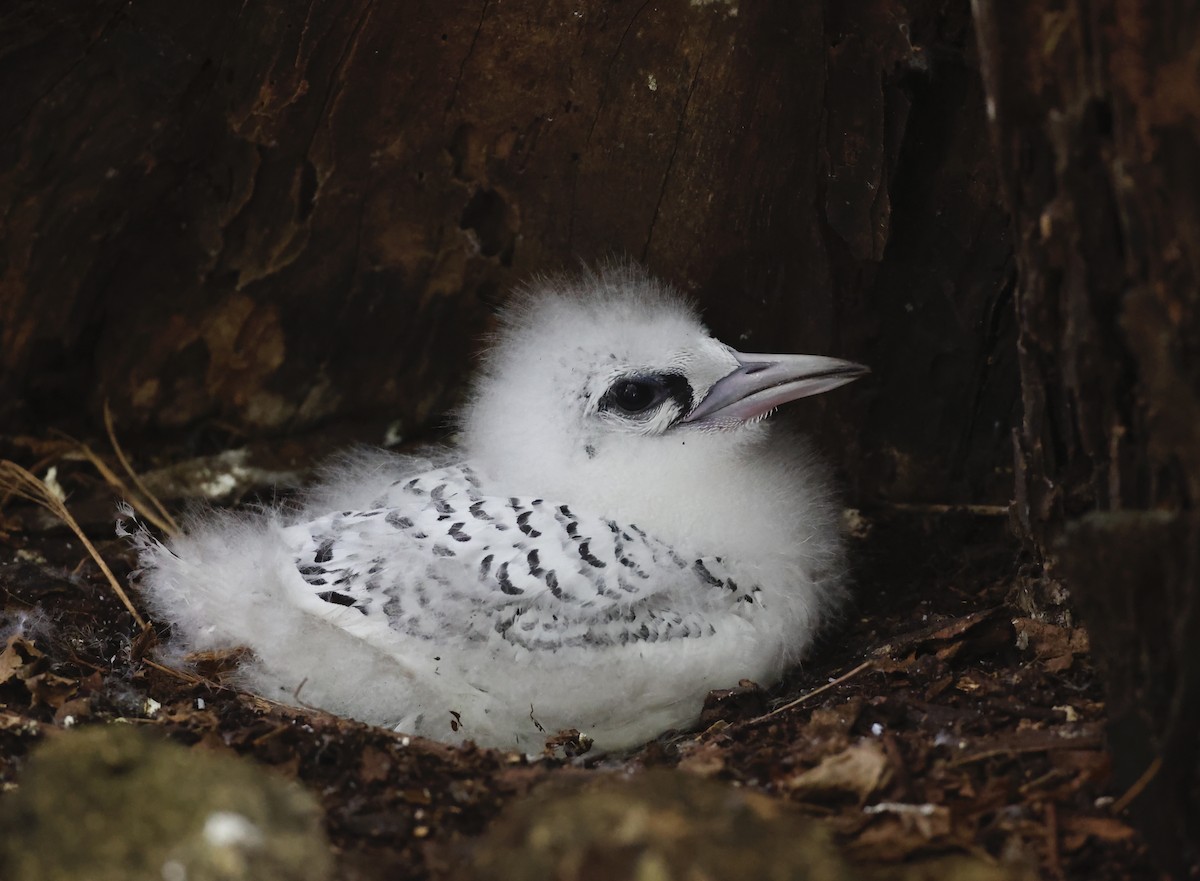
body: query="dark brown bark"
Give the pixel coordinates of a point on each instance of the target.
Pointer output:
(1097, 116)
(270, 215)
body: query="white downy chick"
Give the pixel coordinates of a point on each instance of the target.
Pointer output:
(617, 533)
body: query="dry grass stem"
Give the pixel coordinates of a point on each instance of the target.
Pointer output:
(147, 511)
(167, 524)
(16, 481)
(110, 477)
(260, 702)
(865, 665)
(977, 510)
(1138, 785)
(179, 674)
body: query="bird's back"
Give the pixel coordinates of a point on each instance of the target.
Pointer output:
(498, 617)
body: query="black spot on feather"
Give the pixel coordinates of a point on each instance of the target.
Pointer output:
(708, 577)
(523, 525)
(325, 552)
(506, 584)
(586, 555)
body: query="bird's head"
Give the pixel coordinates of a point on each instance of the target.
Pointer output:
(607, 385)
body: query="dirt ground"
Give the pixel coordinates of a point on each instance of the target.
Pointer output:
(937, 718)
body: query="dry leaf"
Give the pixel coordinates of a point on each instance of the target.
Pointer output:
(374, 765)
(17, 653)
(51, 689)
(75, 710)
(706, 760)
(898, 830)
(857, 770)
(17, 723)
(1053, 645)
(1079, 829)
(218, 664)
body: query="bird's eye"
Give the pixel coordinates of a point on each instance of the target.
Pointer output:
(635, 395)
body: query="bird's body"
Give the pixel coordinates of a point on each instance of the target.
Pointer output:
(615, 535)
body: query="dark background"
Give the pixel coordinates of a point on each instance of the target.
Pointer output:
(240, 215)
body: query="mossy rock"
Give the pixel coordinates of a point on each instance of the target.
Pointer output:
(114, 802)
(672, 826)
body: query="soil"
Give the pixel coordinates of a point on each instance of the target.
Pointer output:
(936, 718)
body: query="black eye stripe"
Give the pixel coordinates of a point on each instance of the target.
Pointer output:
(680, 391)
(639, 393)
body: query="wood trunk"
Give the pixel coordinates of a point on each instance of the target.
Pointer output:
(1096, 110)
(265, 217)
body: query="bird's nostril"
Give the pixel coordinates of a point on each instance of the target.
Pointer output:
(757, 368)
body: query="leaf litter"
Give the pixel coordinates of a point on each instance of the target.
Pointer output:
(936, 720)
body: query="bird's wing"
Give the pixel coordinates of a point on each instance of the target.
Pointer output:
(446, 563)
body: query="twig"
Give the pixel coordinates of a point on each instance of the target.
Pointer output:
(173, 527)
(296, 696)
(179, 674)
(15, 480)
(274, 732)
(111, 478)
(116, 483)
(933, 508)
(1050, 814)
(1138, 785)
(865, 665)
(1049, 744)
(262, 702)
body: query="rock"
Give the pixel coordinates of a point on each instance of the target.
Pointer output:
(672, 826)
(115, 802)
(657, 826)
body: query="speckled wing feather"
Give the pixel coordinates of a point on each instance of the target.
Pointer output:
(439, 560)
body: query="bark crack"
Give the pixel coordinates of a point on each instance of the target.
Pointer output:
(462, 67)
(336, 78)
(612, 61)
(58, 81)
(587, 141)
(233, 27)
(683, 114)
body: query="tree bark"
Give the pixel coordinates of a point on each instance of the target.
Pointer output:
(273, 215)
(1096, 111)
